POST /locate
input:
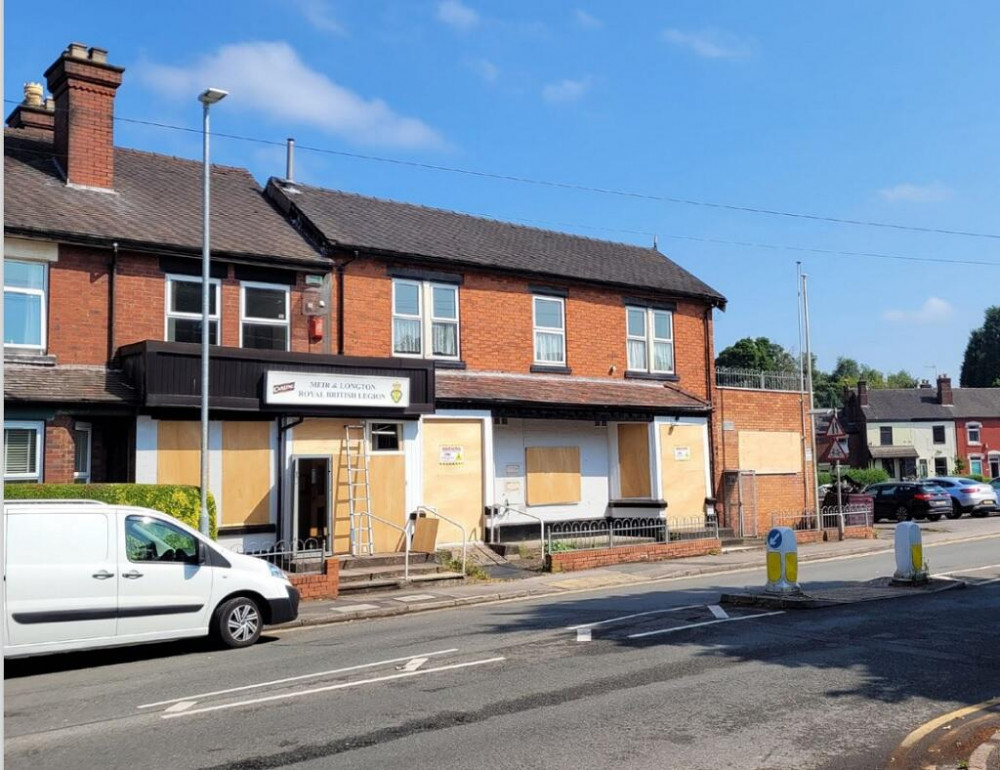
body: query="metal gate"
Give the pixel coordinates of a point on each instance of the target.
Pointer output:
(741, 511)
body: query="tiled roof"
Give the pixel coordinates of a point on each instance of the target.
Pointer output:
(71, 384)
(359, 222)
(922, 404)
(157, 201)
(544, 390)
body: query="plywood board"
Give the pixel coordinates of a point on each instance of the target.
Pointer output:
(553, 475)
(682, 469)
(770, 451)
(425, 534)
(633, 460)
(178, 455)
(387, 479)
(246, 473)
(325, 438)
(454, 488)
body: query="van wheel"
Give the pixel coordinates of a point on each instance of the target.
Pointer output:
(238, 622)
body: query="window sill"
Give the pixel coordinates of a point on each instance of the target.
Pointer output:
(543, 369)
(447, 364)
(655, 376)
(36, 359)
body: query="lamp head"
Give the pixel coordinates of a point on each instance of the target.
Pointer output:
(212, 95)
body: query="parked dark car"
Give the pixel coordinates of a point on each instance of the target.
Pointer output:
(907, 500)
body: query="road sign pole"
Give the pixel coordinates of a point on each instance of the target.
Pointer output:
(840, 505)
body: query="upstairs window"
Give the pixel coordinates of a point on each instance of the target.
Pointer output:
(973, 430)
(184, 310)
(550, 331)
(264, 316)
(425, 319)
(650, 340)
(885, 435)
(24, 305)
(22, 446)
(938, 431)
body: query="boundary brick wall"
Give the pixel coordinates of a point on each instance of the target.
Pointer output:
(324, 585)
(570, 561)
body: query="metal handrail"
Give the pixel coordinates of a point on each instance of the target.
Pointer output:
(512, 509)
(435, 512)
(406, 542)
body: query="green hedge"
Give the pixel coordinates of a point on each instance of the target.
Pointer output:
(181, 502)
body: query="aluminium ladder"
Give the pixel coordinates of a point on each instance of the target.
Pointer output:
(358, 491)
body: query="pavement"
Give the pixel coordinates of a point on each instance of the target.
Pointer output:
(423, 598)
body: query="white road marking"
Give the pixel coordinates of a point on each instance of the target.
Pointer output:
(330, 688)
(355, 608)
(415, 598)
(716, 610)
(184, 705)
(583, 635)
(706, 623)
(634, 615)
(963, 571)
(202, 696)
(412, 665)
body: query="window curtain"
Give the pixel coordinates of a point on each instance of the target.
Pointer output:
(407, 334)
(549, 347)
(445, 339)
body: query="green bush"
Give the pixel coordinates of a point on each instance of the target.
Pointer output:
(825, 477)
(865, 476)
(976, 477)
(181, 502)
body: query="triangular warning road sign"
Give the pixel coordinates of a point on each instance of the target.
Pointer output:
(834, 429)
(838, 451)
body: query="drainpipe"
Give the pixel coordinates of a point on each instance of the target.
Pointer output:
(111, 300)
(339, 266)
(708, 392)
(283, 428)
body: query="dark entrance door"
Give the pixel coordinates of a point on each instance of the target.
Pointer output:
(312, 503)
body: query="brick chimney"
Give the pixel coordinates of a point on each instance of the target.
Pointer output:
(35, 114)
(862, 392)
(945, 395)
(83, 87)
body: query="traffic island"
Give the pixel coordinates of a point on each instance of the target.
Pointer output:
(870, 591)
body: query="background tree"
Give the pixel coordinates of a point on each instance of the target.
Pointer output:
(901, 379)
(760, 353)
(981, 365)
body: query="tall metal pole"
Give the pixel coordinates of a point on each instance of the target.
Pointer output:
(203, 524)
(802, 385)
(812, 404)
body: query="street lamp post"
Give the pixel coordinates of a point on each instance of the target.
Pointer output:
(207, 98)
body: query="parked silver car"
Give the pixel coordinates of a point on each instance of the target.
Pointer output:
(967, 496)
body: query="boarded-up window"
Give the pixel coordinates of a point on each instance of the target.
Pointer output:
(633, 460)
(178, 456)
(770, 451)
(553, 475)
(246, 473)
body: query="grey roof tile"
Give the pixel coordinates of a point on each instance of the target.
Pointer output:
(364, 223)
(69, 384)
(922, 404)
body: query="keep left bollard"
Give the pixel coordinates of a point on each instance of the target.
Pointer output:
(782, 561)
(909, 554)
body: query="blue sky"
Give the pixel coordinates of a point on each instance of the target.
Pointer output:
(881, 111)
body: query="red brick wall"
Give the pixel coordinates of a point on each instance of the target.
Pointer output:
(495, 315)
(59, 452)
(569, 561)
(78, 305)
(759, 410)
(325, 585)
(989, 438)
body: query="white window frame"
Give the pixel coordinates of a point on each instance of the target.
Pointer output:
(650, 339)
(371, 433)
(978, 427)
(168, 314)
(425, 315)
(244, 318)
(535, 329)
(39, 427)
(44, 294)
(79, 476)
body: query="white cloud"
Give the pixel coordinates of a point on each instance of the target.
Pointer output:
(565, 90)
(586, 20)
(932, 311)
(917, 193)
(269, 79)
(486, 69)
(708, 43)
(319, 14)
(457, 15)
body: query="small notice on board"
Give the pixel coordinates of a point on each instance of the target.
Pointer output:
(451, 454)
(682, 453)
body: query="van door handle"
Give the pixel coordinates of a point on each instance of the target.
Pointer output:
(103, 575)
(132, 575)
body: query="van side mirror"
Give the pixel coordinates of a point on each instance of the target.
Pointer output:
(202, 553)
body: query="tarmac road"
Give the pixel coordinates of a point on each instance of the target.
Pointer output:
(666, 680)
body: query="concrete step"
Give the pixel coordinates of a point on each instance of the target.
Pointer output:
(361, 574)
(384, 560)
(389, 583)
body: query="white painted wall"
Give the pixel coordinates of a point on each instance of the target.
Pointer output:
(509, 442)
(919, 435)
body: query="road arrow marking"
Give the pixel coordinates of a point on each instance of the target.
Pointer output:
(184, 705)
(716, 610)
(413, 665)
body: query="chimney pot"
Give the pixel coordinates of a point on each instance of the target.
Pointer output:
(99, 55)
(76, 50)
(33, 94)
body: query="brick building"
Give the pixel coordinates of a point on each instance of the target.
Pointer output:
(486, 366)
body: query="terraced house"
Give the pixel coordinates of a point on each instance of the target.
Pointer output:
(368, 356)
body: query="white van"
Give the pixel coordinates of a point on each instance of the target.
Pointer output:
(81, 574)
